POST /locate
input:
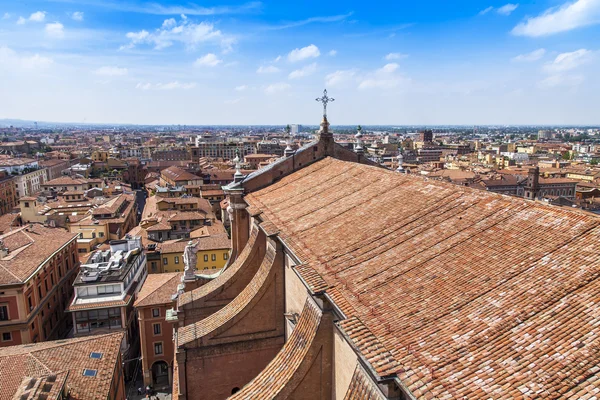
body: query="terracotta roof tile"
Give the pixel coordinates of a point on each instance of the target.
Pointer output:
(29, 248)
(362, 387)
(158, 289)
(61, 356)
(279, 372)
(226, 276)
(190, 333)
(474, 294)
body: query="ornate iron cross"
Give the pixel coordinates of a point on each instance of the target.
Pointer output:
(325, 99)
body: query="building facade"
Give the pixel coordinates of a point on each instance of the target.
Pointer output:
(156, 334)
(104, 292)
(43, 264)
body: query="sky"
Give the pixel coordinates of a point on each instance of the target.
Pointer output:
(264, 62)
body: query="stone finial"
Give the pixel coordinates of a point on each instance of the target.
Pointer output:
(288, 150)
(400, 159)
(238, 176)
(359, 144)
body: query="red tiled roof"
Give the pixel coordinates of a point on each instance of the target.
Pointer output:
(472, 293)
(190, 333)
(28, 249)
(158, 289)
(362, 388)
(230, 273)
(272, 380)
(59, 357)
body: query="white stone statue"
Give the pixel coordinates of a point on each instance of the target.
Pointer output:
(189, 259)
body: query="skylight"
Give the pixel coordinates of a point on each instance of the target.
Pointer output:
(90, 372)
(96, 355)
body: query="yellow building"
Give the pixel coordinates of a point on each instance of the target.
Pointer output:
(212, 255)
(99, 156)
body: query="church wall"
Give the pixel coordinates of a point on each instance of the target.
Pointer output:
(295, 293)
(344, 363)
(214, 376)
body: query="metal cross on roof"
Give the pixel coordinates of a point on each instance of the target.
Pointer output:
(325, 99)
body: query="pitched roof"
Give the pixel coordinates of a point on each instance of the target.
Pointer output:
(29, 247)
(58, 357)
(219, 241)
(177, 174)
(158, 289)
(472, 293)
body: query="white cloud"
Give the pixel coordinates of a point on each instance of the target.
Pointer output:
(270, 69)
(304, 71)
(144, 86)
(530, 57)
(111, 71)
(561, 70)
(38, 16)
(486, 10)
(568, 61)
(241, 88)
(395, 56)
(332, 53)
(166, 86)
(277, 59)
(310, 51)
(208, 60)
(339, 77)
(383, 78)
(507, 9)
(175, 85)
(233, 101)
(277, 88)
(561, 80)
(77, 16)
(7, 15)
(570, 15)
(9, 57)
(55, 30)
(169, 23)
(185, 32)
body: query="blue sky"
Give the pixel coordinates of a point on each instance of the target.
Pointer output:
(264, 62)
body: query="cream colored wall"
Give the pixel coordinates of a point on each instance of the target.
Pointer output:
(343, 366)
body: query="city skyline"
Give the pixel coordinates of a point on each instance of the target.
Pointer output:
(254, 63)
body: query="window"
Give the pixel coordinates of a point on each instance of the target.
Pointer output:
(30, 303)
(156, 328)
(158, 348)
(6, 336)
(90, 372)
(226, 256)
(165, 261)
(213, 257)
(4, 313)
(81, 235)
(93, 235)
(96, 355)
(206, 257)
(101, 234)
(26, 204)
(176, 259)
(153, 266)
(156, 312)
(214, 267)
